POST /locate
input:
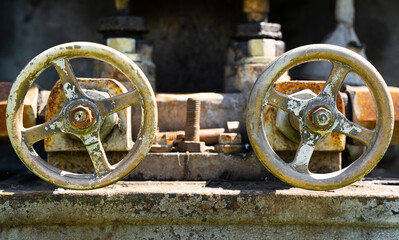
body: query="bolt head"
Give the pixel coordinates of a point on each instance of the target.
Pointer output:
(81, 116)
(322, 117)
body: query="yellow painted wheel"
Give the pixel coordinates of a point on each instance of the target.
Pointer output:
(319, 116)
(81, 116)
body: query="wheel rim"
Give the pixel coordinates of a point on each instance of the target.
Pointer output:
(69, 51)
(262, 90)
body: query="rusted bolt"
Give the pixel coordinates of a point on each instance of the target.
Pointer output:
(256, 10)
(191, 141)
(193, 120)
(322, 117)
(81, 116)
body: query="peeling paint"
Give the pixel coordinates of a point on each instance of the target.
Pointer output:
(90, 140)
(70, 91)
(55, 125)
(61, 64)
(296, 106)
(346, 127)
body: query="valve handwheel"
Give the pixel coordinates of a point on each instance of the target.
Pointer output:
(81, 116)
(319, 116)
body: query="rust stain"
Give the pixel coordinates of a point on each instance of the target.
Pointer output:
(336, 140)
(290, 87)
(364, 109)
(87, 112)
(256, 6)
(209, 136)
(30, 111)
(57, 100)
(332, 142)
(5, 88)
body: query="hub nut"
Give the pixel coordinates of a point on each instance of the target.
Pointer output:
(81, 116)
(322, 117)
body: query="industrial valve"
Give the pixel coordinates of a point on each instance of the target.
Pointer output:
(317, 116)
(89, 117)
(83, 115)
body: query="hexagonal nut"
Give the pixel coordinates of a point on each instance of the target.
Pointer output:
(229, 138)
(125, 45)
(322, 117)
(191, 146)
(262, 47)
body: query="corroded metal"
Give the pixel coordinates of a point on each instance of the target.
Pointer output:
(82, 116)
(256, 10)
(297, 173)
(192, 141)
(193, 114)
(209, 136)
(230, 138)
(229, 143)
(216, 110)
(364, 108)
(22, 138)
(289, 124)
(322, 117)
(113, 138)
(122, 6)
(30, 107)
(277, 136)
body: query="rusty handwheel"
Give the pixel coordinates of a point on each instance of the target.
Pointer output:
(81, 116)
(319, 116)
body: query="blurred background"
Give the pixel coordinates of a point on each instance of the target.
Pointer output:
(190, 38)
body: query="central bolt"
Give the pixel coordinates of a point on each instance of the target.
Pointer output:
(82, 116)
(322, 117)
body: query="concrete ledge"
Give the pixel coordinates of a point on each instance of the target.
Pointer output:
(364, 204)
(198, 232)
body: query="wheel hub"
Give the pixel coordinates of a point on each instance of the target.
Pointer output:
(82, 116)
(322, 117)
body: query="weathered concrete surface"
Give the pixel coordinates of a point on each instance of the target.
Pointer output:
(199, 232)
(186, 210)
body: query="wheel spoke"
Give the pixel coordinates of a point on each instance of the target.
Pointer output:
(97, 155)
(305, 150)
(39, 132)
(334, 82)
(353, 130)
(287, 103)
(114, 104)
(70, 84)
